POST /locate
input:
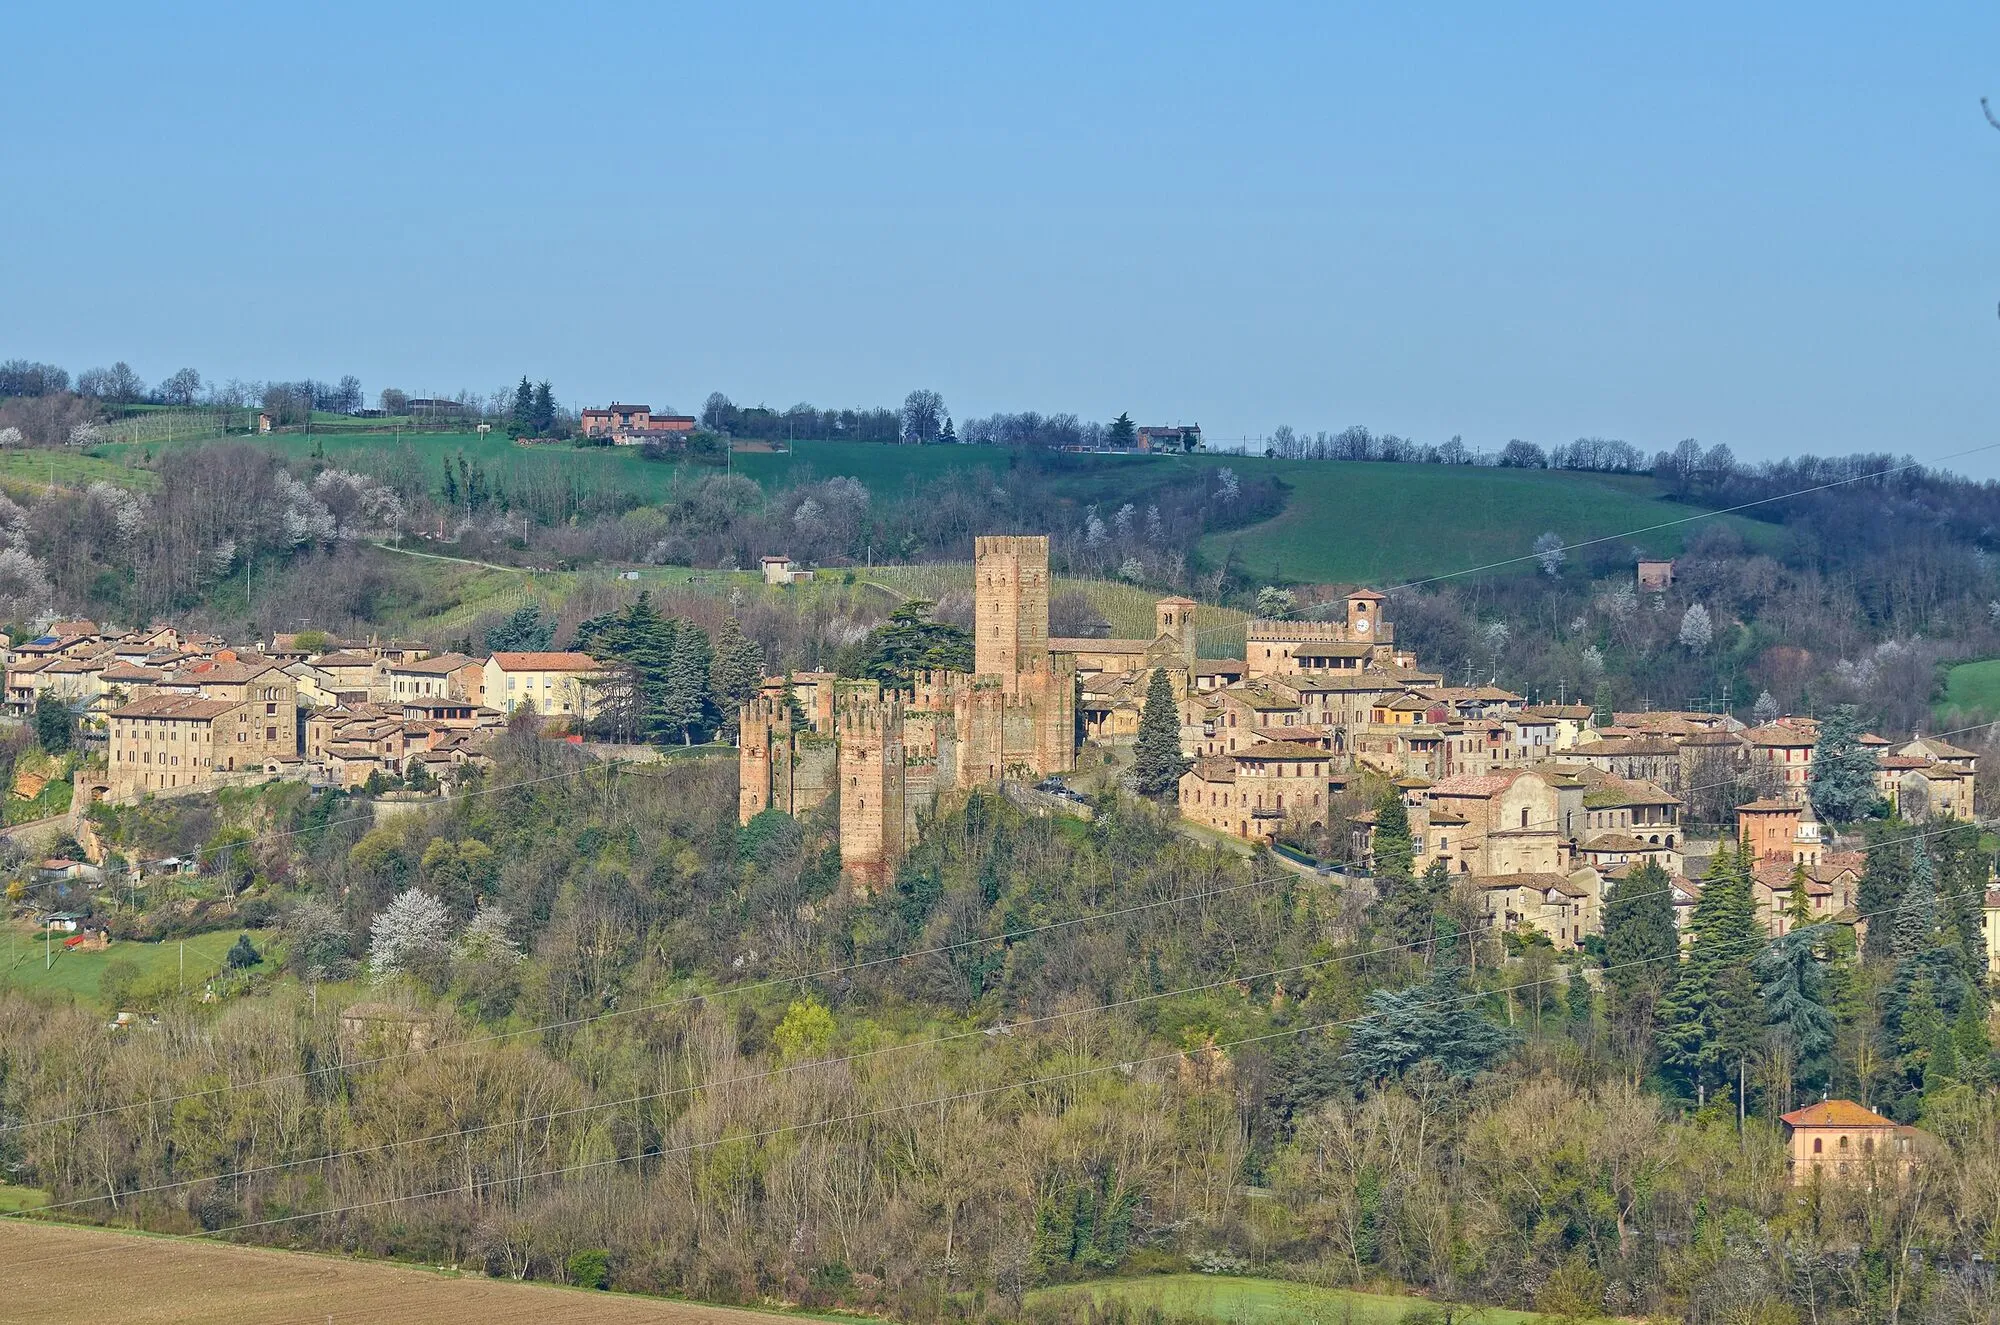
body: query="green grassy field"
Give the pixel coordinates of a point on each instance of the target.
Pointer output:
(1342, 522)
(67, 469)
(1257, 1301)
(1384, 523)
(1971, 690)
(80, 973)
(14, 1198)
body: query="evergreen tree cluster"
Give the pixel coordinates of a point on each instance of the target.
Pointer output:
(670, 683)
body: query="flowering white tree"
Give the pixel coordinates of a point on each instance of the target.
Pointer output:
(1697, 629)
(1549, 552)
(1765, 709)
(410, 934)
(486, 937)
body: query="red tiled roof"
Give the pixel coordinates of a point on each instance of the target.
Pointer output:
(546, 662)
(1835, 1113)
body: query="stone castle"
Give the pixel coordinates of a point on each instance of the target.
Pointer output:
(890, 753)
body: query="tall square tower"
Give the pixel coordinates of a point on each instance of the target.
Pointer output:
(1010, 606)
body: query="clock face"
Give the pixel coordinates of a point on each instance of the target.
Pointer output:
(1361, 624)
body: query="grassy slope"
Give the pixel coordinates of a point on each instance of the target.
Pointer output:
(1256, 1301)
(1382, 523)
(78, 973)
(1972, 690)
(1374, 523)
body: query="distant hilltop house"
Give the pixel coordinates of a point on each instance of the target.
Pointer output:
(781, 571)
(1837, 1139)
(1178, 438)
(1655, 576)
(632, 425)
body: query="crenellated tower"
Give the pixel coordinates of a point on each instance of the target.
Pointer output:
(1010, 605)
(869, 725)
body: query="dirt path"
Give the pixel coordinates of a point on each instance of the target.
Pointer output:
(463, 561)
(57, 1274)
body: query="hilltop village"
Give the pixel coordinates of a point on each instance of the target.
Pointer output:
(1536, 808)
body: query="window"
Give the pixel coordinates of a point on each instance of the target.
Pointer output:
(1819, 1145)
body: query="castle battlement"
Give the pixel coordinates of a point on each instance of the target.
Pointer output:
(1303, 632)
(895, 748)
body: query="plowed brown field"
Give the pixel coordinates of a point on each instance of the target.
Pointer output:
(54, 1274)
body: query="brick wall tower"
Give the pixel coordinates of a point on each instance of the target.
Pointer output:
(872, 837)
(763, 755)
(1010, 606)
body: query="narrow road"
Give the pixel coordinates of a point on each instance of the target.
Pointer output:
(438, 556)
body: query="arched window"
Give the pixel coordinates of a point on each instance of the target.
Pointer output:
(1843, 1143)
(1819, 1144)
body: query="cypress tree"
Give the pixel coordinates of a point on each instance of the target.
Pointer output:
(1928, 990)
(1842, 781)
(1963, 871)
(1157, 762)
(1395, 851)
(687, 708)
(1640, 938)
(739, 669)
(1405, 908)
(542, 412)
(1709, 1019)
(1884, 878)
(521, 422)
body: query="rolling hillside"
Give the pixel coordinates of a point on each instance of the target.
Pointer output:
(1342, 522)
(1387, 523)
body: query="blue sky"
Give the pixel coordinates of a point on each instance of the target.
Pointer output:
(1774, 229)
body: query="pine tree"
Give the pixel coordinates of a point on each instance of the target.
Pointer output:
(910, 642)
(1709, 1018)
(521, 421)
(1580, 1002)
(1122, 435)
(526, 630)
(542, 412)
(1928, 990)
(1405, 908)
(1842, 781)
(1963, 869)
(1395, 851)
(739, 670)
(1640, 937)
(642, 643)
(1885, 876)
(1437, 1023)
(1796, 1005)
(1158, 763)
(688, 705)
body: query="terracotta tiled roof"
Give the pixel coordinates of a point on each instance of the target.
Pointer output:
(1282, 750)
(183, 707)
(546, 662)
(1835, 1113)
